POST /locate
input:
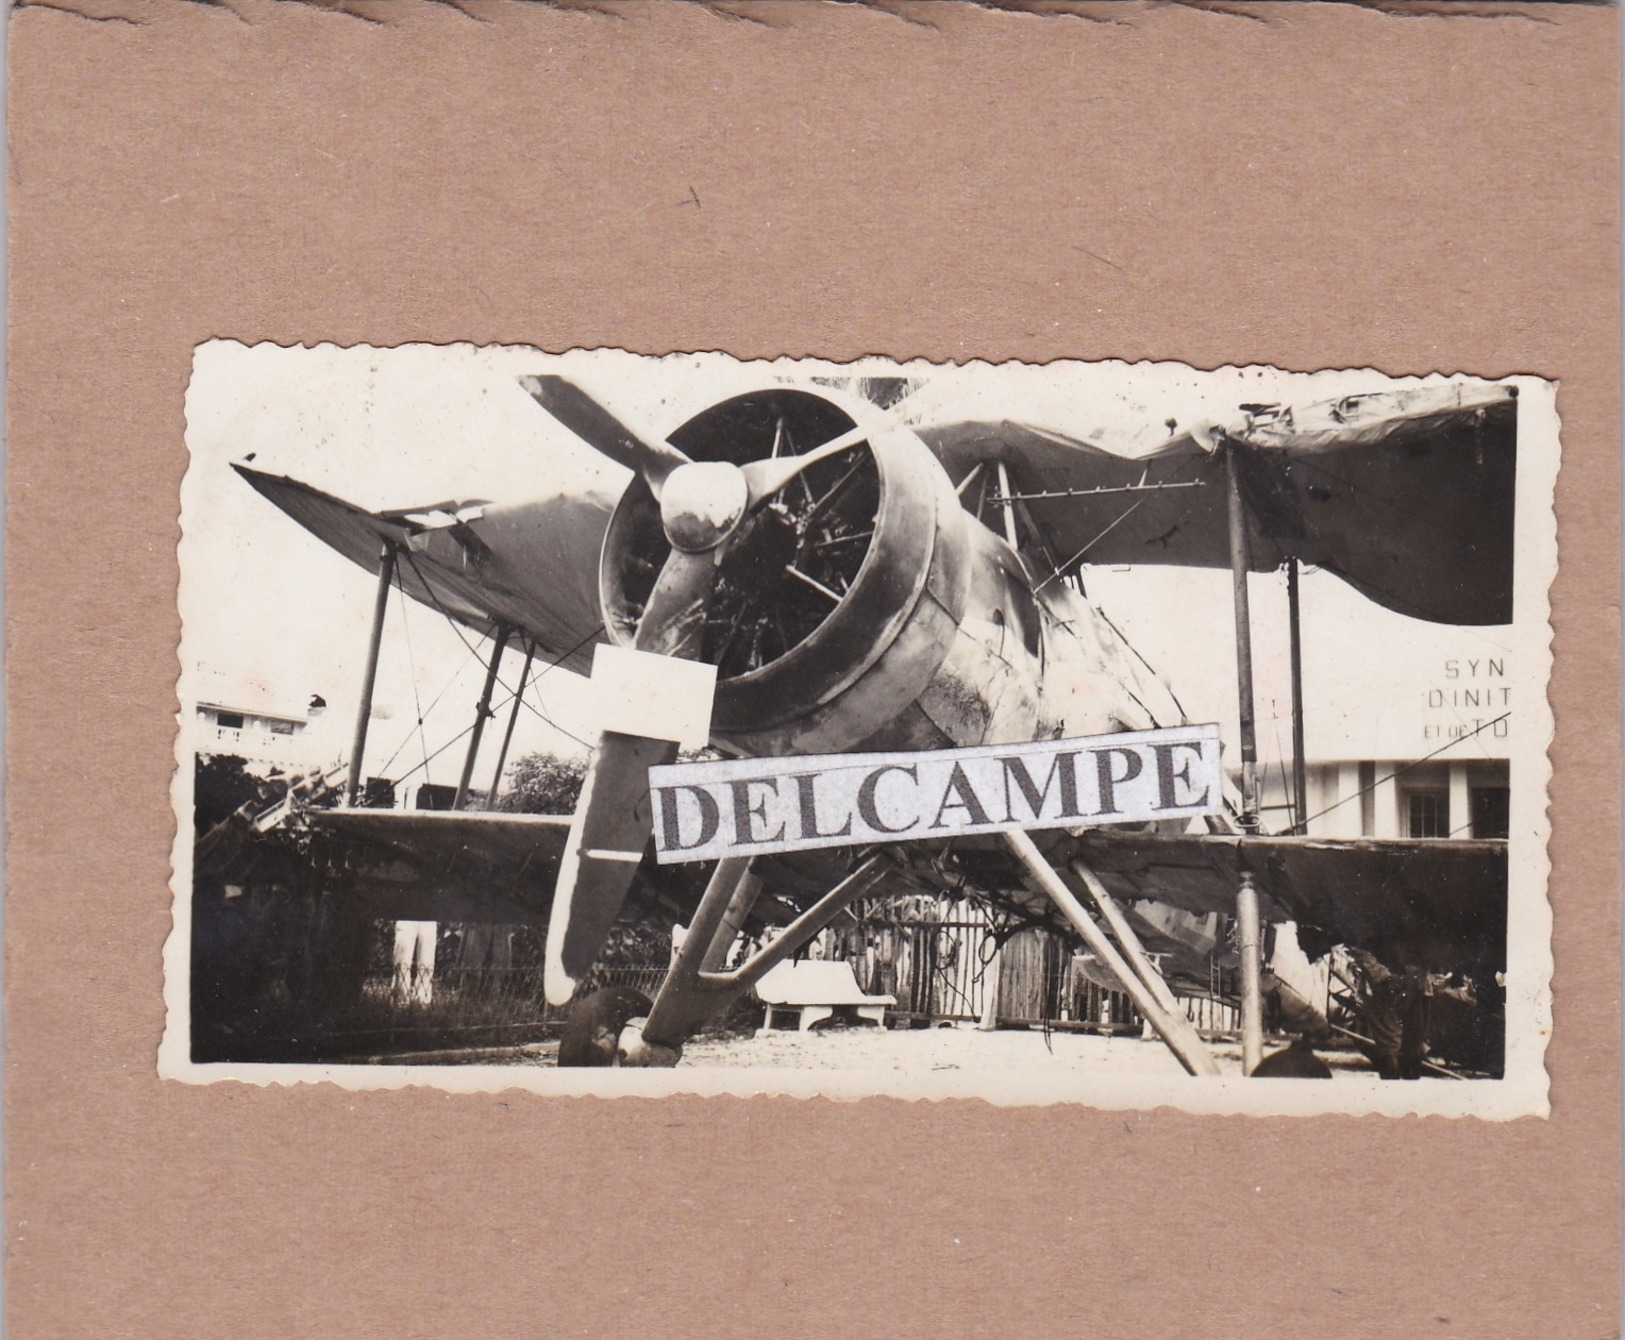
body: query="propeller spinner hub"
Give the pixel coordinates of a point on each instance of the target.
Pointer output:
(701, 502)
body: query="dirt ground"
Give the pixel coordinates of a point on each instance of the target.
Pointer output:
(961, 1047)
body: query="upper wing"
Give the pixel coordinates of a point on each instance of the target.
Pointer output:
(1407, 495)
(532, 566)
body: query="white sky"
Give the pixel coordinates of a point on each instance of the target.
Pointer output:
(266, 605)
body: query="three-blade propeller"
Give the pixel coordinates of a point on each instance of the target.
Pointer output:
(703, 505)
(703, 509)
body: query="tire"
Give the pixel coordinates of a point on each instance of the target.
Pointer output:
(592, 1033)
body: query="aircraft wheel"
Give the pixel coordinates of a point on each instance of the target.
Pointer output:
(592, 1033)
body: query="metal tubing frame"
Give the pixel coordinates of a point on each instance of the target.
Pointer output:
(1009, 506)
(1127, 940)
(358, 742)
(682, 1002)
(869, 873)
(513, 720)
(1175, 1030)
(689, 994)
(745, 893)
(482, 711)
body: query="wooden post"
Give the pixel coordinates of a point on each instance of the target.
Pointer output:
(513, 720)
(481, 711)
(1300, 766)
(1252, 1005)
(358, 742)
(1174, 1029)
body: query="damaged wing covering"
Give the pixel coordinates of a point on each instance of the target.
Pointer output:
(1438, 901)
(447, 560)
(1406, 495)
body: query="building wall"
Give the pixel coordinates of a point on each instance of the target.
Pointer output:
(1388, 798)
(261, 737)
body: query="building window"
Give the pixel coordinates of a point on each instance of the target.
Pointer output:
(1491, 817)
(281, 727)
(1429, 814)
(229, 720)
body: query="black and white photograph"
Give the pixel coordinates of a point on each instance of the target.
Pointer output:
(1119, 734)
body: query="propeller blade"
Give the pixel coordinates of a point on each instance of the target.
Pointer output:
(612, 824)
(674, 617)
(608, 838)
(766, 477)
(654, 459)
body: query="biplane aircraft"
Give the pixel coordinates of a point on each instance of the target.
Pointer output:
(863, 582)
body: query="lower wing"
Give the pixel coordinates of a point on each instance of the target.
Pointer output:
(1442, 903)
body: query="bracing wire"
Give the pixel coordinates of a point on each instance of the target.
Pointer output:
(1400, 771)
(456, 627)
(411, 666)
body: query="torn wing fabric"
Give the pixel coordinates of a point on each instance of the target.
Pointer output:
(1406, 495)
(1422, 900)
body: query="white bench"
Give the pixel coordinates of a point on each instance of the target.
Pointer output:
(815, 989)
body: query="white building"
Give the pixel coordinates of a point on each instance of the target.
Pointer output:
(244, 719)
(1431, 761)
(1389, 798)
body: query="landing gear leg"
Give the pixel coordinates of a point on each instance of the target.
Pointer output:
(691, 993)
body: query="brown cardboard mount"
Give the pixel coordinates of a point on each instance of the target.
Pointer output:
(1298, 185)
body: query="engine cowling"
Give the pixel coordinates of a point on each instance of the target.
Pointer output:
(832, 611)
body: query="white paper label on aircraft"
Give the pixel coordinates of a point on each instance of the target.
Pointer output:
(741, 807)
(662, 697)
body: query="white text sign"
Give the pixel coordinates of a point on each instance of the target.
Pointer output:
(742, 806)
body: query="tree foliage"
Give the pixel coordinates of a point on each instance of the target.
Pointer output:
(548, 784)
(543, 784)
(222, 785)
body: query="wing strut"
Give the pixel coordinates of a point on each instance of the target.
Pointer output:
(1252, 1000)
(1009, 507)
(482, 712)
(358, 744)
(1175, 1029)
(1300, 776)
(513, 720)
(1132, 949)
